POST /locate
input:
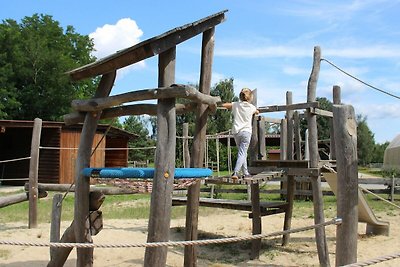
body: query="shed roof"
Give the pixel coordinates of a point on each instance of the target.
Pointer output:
(114, 131)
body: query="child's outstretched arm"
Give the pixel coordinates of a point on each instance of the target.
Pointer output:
(226, 105)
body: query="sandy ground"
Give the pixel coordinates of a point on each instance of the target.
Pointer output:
(225, 223)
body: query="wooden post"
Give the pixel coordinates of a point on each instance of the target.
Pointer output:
(82, 186)
(290, 186)
(297, 135)
(33, 173)
(229, 153)
(55, 221)
(256, 220)
(253, 147)
(347, 180)
(289, 117)
(217, 148)
(320, 236)
(393, 184)
(206, 164)
(262, 153)
(60, 254)
(161, 196)
(186, 154)
(336, 101)
(254, 187)
(192, 210)
(283, 139)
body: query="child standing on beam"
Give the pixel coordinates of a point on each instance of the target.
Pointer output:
(243, 112)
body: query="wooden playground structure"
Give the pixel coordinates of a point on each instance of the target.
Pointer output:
(343, 156)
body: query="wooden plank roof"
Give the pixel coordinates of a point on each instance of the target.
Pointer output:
(114, 131)
(147, 48)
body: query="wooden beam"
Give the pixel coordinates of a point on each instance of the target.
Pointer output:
(18, 198)
(127, 110)
(174, 91)
(321, 112)
(69, 188)
(275, 108)
(281, 163)
(147, 48)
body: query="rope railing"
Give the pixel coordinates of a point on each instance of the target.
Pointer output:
(115, 148)
(379, 197)
(334, 221)
(375, 261)
(359, 80)
(16, 159)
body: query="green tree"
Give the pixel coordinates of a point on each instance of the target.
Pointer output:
(379, 152)
(323, 124)
(35, 55)
(221, 120)
(217, 122)
(365, 141)
(8, 92)
(138, 125)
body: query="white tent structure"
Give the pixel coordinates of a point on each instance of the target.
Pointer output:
(391, 159)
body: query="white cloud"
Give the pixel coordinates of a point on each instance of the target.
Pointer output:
(292, 70)
(382, 111)
(108, 39)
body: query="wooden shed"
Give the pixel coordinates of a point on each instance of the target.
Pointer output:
(58, 150)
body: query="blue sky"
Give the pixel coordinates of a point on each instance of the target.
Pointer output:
(266, 45)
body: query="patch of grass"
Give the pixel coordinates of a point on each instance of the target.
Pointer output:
(137, 206)
(4, 194)
(376, 172)
(114, 207)
(134, 206)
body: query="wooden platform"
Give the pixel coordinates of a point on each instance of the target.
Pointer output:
(281, 163)
(258, 178)
(266, 208)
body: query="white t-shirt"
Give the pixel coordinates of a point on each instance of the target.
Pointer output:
(242, 116)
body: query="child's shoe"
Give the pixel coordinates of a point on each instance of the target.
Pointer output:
(234, 176)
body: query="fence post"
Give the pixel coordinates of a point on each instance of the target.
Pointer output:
(392, 189)
(55, 221)
(33, 173)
